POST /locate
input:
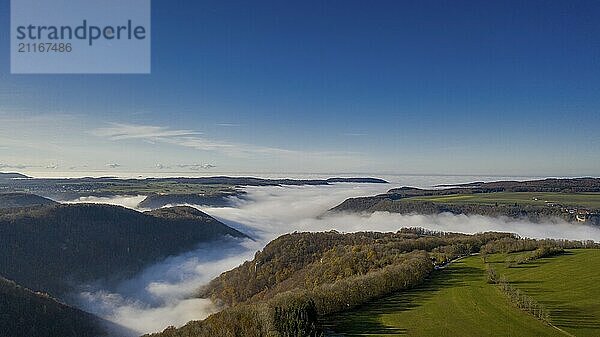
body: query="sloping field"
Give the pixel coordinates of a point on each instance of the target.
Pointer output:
(567, 285)
(458, 301)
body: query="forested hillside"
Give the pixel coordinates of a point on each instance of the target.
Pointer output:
(568, 199)
(24, 313)
(301, 277)
(306, 260)
(12, 175)
(408, 206)
(12, 200)
(51, 248)
(215, 200)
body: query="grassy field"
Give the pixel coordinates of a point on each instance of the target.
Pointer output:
(567, 285)
(458, 301)
(589, 200)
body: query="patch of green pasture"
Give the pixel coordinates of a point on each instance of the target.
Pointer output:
(456, 301)
(589, 200)
(567, 285)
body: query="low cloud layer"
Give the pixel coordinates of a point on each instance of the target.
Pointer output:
(125, 201)
(272, 211)
(163, 294)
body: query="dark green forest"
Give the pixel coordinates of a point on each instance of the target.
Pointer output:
(24, 313)
(373, 204)
(12, 200)
(52, 247)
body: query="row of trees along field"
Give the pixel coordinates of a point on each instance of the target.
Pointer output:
(529, 250)
(515, 244)
(517, 297)
(300, 277)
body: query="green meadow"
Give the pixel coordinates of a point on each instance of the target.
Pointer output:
(589, 200)
(458, 301)
(567, 285)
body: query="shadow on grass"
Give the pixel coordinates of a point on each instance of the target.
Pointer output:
(366, 320)
(525, 282)
(525, 266)
(564, 315)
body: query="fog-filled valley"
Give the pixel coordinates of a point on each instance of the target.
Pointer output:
(164, 293)
(299, 168)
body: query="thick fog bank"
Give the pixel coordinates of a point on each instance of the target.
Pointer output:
(163, 294)
(125, 201)
(271, 211)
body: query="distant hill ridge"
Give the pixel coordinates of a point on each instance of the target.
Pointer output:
(224, 198)
(564, 185)
(52, 248)
(217, 180)
(214, 200)
(399, 200)
(200, 190)
(11, 200)
(12, 175)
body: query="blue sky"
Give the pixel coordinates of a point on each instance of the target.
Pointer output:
(447, 87)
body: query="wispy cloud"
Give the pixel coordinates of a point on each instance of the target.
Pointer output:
(113, 165)
(196, 140)
(7, 166)
(23, 116)
(278, 158)
(193, 167)
(78, 167)
(355, 134)
(196, 167)
(147, 132)
(16, 166)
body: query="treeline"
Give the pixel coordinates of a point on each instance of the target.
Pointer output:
(517, 297)
(543, 251)
(300, 277)
(307, 260)
(295, 313)
(529, 250)
(515, 244)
